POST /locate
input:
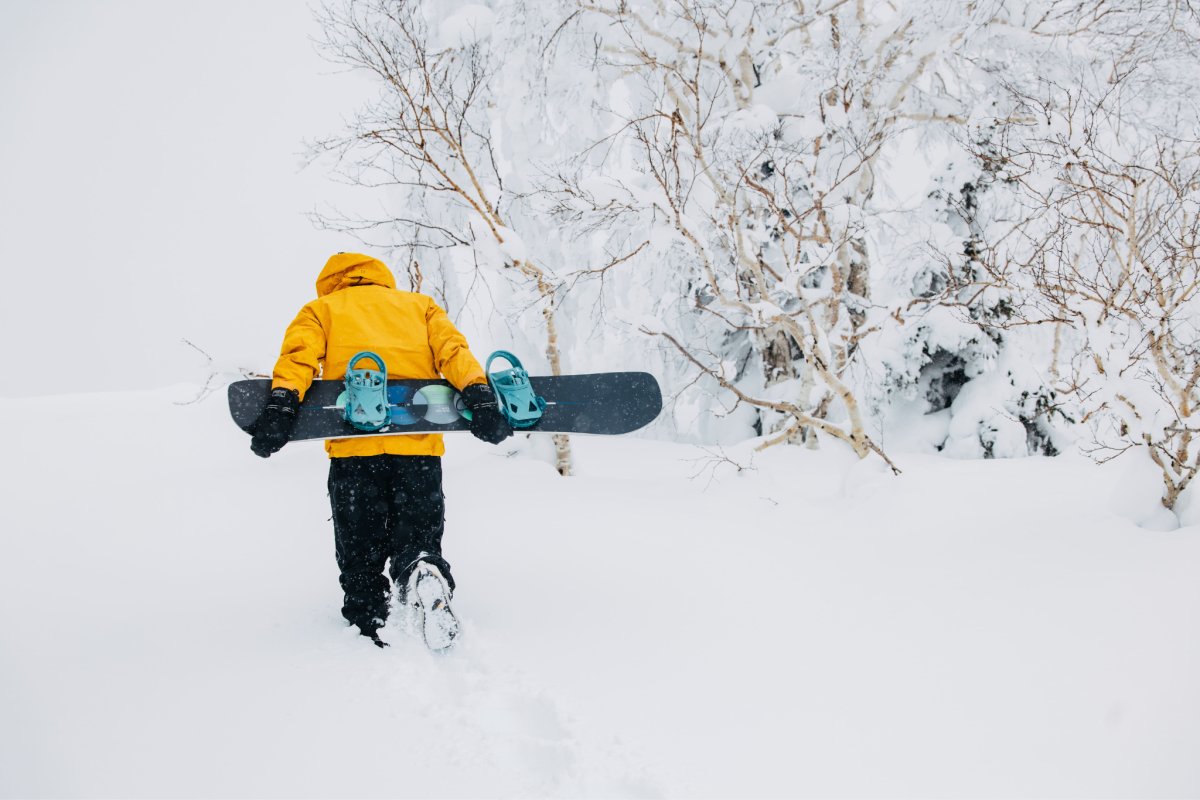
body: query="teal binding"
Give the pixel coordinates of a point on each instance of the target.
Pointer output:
(514, 393)
(366, 394)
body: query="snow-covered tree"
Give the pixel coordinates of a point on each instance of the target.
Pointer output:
(815, 220)
(747, 145)
(428, 140)
(1102, 145)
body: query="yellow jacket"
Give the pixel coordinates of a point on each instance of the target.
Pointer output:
(359, 308)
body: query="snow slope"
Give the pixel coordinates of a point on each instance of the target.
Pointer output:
(660, 625)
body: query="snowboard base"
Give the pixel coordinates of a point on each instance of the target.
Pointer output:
(604, 403)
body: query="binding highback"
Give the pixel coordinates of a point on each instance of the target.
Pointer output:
(514, 393)
(366, 394)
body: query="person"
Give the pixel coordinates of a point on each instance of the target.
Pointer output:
(385, 491)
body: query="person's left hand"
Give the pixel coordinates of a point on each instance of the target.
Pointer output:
(274, 425)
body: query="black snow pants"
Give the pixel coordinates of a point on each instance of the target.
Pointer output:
(385, 507)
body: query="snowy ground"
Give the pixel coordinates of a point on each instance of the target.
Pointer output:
(653, 627)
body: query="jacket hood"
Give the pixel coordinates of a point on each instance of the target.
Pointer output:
(353, 269)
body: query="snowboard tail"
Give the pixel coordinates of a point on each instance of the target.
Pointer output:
(605, 403)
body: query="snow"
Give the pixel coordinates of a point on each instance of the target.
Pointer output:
(754, 122)
(674, 621)
(469, 25)
(683, 618)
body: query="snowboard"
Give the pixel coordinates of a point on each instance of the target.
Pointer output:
(604, 403)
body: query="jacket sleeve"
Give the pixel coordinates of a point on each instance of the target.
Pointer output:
(302, 353)
(451, 355)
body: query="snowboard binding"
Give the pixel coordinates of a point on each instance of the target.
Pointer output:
(366, 394)
(514, 393)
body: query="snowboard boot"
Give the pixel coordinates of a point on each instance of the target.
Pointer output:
(427, 596)
(370, 629)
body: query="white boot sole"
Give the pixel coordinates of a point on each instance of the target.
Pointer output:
(436, 622)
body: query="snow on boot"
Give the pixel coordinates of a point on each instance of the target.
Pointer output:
(428, 596)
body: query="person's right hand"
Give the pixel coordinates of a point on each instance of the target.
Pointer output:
(487, 423)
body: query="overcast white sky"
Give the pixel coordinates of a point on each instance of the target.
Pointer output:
(150, 186)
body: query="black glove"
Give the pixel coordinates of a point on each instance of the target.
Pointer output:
(487, 423)
(274, 425)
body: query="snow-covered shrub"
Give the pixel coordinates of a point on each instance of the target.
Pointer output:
(950, 352)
